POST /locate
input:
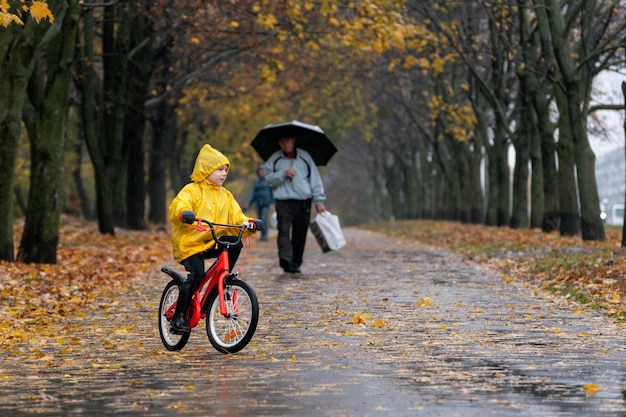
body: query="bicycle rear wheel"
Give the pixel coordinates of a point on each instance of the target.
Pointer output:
(171, 341)
(231, 334)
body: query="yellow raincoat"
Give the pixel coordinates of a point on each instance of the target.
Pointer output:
(208, 201)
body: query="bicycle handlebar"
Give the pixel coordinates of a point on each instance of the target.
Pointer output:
(258, 225)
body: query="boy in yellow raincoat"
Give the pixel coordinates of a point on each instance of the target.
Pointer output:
(204, 198)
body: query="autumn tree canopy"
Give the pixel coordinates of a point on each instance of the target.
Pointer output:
(424, 98)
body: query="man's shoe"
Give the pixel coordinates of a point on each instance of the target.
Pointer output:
(295, 269)
(285, 264)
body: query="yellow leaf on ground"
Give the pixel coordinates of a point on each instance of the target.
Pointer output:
(424, 302)
(591, 389)
(378, 323)
(360, 317)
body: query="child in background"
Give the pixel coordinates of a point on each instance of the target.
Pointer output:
(204, 198)
(263, 196)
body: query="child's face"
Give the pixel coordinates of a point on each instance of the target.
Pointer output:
(219, 175)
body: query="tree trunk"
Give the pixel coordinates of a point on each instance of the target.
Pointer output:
(454, 164)
(522, 143)
(103, 109)
(519, 213)
(534, 100)
(134, 126)
(570, 218)
(624, 224)
(158, 163)
(502, 175)
(19, 46)
(472, 189)
(572, 70)
(482, 148)
(551, 209)
(592, 227)
(537, 197)
(49, 99)
(85, 205)
(139, 74)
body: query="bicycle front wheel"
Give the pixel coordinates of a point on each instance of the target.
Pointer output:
(231, 334)
(171, 341)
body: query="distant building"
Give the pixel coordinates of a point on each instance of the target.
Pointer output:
(611, 179)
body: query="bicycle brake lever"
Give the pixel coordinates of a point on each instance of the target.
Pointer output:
(199, 226)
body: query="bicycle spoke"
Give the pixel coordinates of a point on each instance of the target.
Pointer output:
(232, 333)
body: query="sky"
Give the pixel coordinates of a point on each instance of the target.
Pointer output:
(608, 90)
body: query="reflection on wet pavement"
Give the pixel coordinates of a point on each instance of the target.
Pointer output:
(376, 329)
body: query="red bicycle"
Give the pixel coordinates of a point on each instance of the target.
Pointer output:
(228, 304)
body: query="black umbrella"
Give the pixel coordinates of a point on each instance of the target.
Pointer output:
(308, 137)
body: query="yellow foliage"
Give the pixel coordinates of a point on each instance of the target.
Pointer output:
(267, 21)
(268, 73)
(410, 62)
(313, 45)
(7, 18)
(437, 65)
(39, 10)
(398, 39)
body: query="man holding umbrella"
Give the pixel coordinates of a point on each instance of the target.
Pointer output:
(292, 173)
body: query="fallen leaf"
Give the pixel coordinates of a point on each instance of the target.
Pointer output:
(591, 389)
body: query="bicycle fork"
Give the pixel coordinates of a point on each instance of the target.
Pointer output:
(232, 296)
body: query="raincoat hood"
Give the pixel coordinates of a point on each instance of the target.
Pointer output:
(209, 159)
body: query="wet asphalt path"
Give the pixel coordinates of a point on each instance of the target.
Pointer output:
(375, 329)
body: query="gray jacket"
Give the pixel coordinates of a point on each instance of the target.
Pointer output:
(306, 184)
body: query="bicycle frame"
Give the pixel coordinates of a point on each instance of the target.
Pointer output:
(214, 276)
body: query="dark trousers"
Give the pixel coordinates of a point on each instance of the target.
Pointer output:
(195, 263)
(293, 217)
(263, 211)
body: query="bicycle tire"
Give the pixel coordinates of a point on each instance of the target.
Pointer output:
(171, 341)
(230, 335)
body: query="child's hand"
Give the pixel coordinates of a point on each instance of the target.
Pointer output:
(188, 217)
(260, 225)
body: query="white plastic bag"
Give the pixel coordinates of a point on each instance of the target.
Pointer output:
(327, 231)
(274, 221)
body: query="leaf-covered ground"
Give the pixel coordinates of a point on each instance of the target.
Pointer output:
(91, 268)
(380, 326)
(591, 273)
